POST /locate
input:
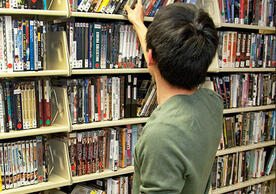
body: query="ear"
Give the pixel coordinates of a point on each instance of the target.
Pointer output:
(151, 61)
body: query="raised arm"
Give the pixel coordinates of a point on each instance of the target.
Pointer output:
(136, 17)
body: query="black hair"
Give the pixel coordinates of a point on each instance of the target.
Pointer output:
(184, 40)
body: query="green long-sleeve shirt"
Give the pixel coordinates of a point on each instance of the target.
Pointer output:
(178, 144)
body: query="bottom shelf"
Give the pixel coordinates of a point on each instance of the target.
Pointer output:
(107, 173)
(244, 184)
(55, 181)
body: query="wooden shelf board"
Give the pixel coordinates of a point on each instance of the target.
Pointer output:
(35, 73)
(109, 123)
(248, 109)
(148, 19)
(105, 16)
(213, 70)
(55, 181)
(246, 147)
(144, 119)
(109, 71)
(105, 174)
(145, 70)
(245, 26)
(247, 70)
(272, 29)
(33, 132)
(244, 184)
(32, 12)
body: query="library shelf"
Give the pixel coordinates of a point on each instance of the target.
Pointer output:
(35, 73)
(101, 124)
(245, 147)
(33, 132)
(244, 184)
(247, 69)
(245, 26)
(248, 109)
(212, 69)
(105, 16)
(8, 11)
(56, 66)
(109, 71)
(130, 121)
(54, 181)
(105, 174)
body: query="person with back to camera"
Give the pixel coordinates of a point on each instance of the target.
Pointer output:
(178, 144)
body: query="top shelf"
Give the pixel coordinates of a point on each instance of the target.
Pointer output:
(105, 16)
(245, 26)
(109, 71)
(150, 19)
(213, 8)
(234, 69)
(6, 11)
(63, 13)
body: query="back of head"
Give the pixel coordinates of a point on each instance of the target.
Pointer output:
(183, 40)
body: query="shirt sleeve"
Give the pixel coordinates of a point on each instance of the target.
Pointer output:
(161, 162)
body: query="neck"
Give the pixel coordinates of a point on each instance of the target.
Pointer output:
(166, 91)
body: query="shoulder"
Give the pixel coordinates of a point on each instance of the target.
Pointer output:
(165, 134)
(211, 93)
(157, 128)
(211, 99)
(158, 138)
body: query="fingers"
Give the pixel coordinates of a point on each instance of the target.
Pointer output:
(127, 8)
(139, 2)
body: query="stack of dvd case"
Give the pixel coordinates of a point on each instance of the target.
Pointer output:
(24, 104)
(246, 50)
(24, 4)
(117, 7)
(246, 89)
(94, 150)
(103, 46)
(23, 162)
(22, 44)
